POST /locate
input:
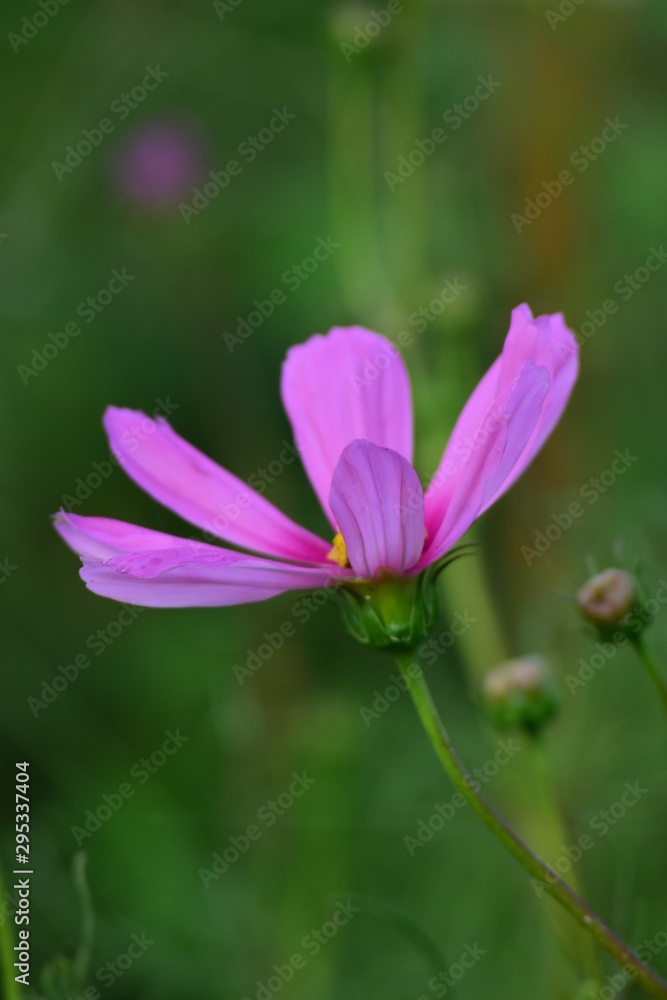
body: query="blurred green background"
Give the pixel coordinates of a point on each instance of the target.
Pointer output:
(361, 98)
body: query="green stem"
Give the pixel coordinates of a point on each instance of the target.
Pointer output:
(11, 991)
(85, 949)
(553, 883)
(551, 813)
(645, 655)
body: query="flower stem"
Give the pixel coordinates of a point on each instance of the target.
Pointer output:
(646, 656)
(537, 868)
(547, 800)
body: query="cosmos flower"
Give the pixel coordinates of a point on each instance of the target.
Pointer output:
(158, 162)
(347, 395)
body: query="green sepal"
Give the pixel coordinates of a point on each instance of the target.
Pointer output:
(393, 612)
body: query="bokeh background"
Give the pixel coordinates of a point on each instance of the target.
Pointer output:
(361, 98)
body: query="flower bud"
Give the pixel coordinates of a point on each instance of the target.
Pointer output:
(608, 598)
(520, 693)
(346, 19)
(360, 27)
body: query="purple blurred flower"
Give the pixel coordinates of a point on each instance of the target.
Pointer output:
(158, 162)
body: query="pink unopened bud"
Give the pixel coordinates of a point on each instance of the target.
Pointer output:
(608, 597)
(520, 692)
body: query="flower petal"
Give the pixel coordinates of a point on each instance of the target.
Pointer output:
(544, 342)
(346, 385)
(102, 537)
(138, 566)
(554, 346)
(508, 426)
(378, 503)
(202, 492)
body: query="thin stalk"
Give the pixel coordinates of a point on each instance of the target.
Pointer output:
(552, 882)
(646, 656)
(551, 812)
(85, 949)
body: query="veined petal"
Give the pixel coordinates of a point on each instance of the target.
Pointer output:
(556, 348)
(544, 342)
(199, 582)
(378, 503)
(185, 480)
(346, 385)
(508, 426)
(103, 537)
(139, 566)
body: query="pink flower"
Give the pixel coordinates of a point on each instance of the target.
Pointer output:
(158, 162)
(347, 395)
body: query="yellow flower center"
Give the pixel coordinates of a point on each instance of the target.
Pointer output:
(338, 553)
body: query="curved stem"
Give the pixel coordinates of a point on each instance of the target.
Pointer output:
(645, 655)
(551, 882)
